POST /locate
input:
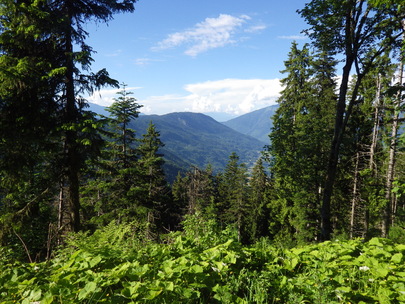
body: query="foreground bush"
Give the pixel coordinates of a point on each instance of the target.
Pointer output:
(114, 266)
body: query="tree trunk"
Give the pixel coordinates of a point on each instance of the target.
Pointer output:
(70, 178)
(389, 197)
(326, 223)
(373, 146)
(355, 197)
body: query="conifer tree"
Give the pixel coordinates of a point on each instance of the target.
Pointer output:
(299, 141)
(68, 30)
(233, 196)
(259, 198)
(122, 111)
(156, 193)
(361, 31)
(113, 190)
(28, 121)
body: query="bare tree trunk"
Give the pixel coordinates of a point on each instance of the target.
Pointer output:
(376, 126)
(387, 221)
(326, 223)
(373, 146)
(355, 197)
(389, 197)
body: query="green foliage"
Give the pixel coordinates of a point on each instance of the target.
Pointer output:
(195, 139)
(113, 266)
(300, 141)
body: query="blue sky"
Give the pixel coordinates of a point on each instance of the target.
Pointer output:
(202, 56)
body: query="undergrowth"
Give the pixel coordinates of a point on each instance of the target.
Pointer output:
(117, 265)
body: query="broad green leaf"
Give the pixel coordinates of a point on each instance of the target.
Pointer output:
(196, 269)
(168, 286)
(397, 258)
(343, 289)
(381, 272)
(375, 241)
(89, 288)
(94, 261)
(153, 294)
(400, 247)
(47, 299)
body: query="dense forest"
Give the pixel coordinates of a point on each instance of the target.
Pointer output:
(81, 193)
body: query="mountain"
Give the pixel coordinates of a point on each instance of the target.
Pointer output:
(257, 124)
(220, 116)
(194, 139)
(97, 109)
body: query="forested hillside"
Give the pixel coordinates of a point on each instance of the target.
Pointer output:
(87, 214)
(193, 139)
(256, 124)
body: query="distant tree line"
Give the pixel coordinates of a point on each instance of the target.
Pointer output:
(334, 166)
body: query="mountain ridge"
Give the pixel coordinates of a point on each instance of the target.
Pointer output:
(257, 124)
(196, 139)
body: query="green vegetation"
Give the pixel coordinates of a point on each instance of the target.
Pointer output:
(116, 265)
(256, 124)
(195, 139)
(87, 214)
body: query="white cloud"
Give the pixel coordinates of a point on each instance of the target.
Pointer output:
(233, 96)
(293, 37)
(208, 34)
(106, 97)
(145, 61)
(114, 54)
(256, 28)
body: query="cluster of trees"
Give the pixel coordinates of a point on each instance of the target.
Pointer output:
(336, 150)
(46, 134)
(335, 158)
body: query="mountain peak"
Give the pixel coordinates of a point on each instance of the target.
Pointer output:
(257, 124)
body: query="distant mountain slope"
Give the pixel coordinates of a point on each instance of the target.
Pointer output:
(197, 139)
(257, 124)
(97, 109)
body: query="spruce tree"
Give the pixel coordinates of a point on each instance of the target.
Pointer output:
(112, 192)
(28, 127)
(259, 198)
(68, 30)
(299, 141)
(155, 190)
(233, 202)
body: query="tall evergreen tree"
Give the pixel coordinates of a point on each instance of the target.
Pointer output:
(156, 195)
(122, 111)
(42, 80)
(299, 138)
(113, 190)
(259, 198)
(28, 125)
(68, 30)
(233, 196)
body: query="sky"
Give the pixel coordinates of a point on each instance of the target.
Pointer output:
(213, 56)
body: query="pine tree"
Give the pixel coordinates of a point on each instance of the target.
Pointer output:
(259, 198)
(42, 80)
(233, 196)
(28, 116)
(122, 111)
(156, 193)
(112, 192)
(299, 141)
(68, 30)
